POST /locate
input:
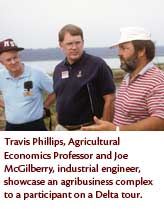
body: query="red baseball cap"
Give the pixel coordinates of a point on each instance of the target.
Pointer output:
(9, 45)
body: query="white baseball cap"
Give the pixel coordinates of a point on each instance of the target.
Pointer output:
(131, 34)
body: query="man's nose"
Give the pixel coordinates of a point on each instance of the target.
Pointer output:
(13, 61)
(119, 52)
(74, 45)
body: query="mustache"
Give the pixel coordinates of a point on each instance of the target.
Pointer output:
(123, 59)
(129, 64)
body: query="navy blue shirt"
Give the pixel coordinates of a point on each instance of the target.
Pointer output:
(80, 88)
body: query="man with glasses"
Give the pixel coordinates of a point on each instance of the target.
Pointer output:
(83, 83)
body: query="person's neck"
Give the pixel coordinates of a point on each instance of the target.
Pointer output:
(18, 73)
(70, 62)
(138, 69)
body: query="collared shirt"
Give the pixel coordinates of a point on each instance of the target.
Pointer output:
(80, 88)
(24, 105)
(140, 98)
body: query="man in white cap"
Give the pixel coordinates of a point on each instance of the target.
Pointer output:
(139, 103)
(22, 89)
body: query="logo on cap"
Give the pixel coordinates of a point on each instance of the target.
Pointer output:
(9, 45)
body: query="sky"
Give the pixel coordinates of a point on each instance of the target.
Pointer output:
(36, 23)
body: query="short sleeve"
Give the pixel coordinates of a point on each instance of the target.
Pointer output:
(46, 82)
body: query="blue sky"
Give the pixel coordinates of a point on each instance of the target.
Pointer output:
(35, 23)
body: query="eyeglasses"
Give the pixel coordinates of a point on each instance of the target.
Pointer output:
(73, 44)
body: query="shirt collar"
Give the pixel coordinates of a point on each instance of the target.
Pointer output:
(142, 72)
(25, 74)
(79, 61)
(146, 68)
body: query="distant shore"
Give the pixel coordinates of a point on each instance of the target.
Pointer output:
(57, 54)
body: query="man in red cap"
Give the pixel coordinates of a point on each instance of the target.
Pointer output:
(22, 89)
(139, 103)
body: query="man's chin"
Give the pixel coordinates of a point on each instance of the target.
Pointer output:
(124, 68)
(75, 57)
(14, 70)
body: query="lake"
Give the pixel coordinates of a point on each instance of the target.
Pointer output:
(48, 66)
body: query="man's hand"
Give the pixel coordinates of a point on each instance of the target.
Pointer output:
(100, 125)
(46, 113)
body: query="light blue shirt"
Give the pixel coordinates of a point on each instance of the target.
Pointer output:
(21, 107)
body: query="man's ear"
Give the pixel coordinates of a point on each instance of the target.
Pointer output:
(60, 44)
(0, 60)
(142, 52)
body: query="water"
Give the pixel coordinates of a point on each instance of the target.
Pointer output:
(48, 66)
